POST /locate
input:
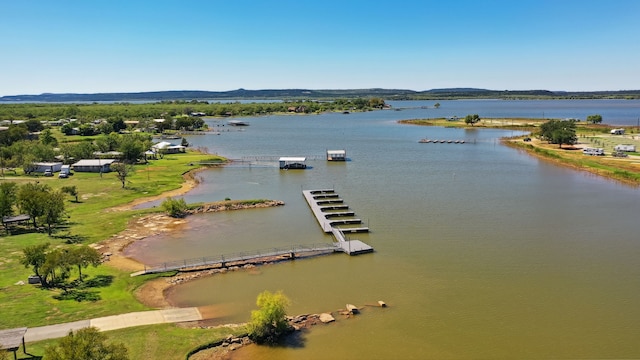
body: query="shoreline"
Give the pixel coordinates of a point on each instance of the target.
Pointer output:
(152, 292)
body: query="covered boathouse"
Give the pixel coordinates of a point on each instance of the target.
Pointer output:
(336, 155)
(289, 162)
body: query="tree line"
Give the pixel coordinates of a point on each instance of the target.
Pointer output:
(128, 111)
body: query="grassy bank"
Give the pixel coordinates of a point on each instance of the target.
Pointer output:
(91, 220)
(626, 169)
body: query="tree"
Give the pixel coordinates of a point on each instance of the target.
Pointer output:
(269, 322)
(53, 208)
(33, 125)
(47, 138)
(35, 256)
(559, 132)
(71, 190)
(84, 256)
(56, 267)
(131, 148)
(87, 344)
(472, 119)
(31, 200)
(436, 105)
(123, 171)
(594, 119)
(8, 198)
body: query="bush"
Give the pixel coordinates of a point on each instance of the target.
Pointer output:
(87, 344)
(175, 208)
(269, 322)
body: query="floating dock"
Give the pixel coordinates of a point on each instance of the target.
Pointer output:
(322, 202)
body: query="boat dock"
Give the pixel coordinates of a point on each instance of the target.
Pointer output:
(240, 258)
(322, 202)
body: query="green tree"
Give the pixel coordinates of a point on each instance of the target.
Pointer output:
(175, 208)
(8, 198)
(594, 119)
(123, 171)
(71, 190)
(47, 138)
(132, 149)
(472, 119)
(56, 267)
(31, 200)
(269, 322)
(559, 132)
(34, 256)
(53, 208)
(33, 125)
(86, 344)
(436, 105)
(83, 256)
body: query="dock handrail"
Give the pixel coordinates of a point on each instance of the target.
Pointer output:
(237, 256)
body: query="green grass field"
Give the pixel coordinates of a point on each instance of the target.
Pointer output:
(90, 220)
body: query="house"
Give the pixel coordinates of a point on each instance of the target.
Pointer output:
(336, 155)
(293, 163)
(93, 165)
(617, 132)
(165, 147)
(41, 167)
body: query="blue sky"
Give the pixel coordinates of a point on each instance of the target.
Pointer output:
(70, 46)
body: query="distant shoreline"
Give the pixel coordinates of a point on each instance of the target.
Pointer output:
(625, 170)
(280, 94)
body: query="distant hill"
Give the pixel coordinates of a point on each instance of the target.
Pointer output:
(297, 94)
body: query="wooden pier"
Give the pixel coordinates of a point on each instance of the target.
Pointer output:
(323, 200)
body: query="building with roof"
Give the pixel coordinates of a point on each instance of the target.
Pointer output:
(93, 165)
(289, 162)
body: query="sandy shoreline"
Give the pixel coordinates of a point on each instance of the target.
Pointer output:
(152, 293)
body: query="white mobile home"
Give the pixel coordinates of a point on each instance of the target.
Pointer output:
(593, 151)
(625, 147)
(617, 132)
(41, 167)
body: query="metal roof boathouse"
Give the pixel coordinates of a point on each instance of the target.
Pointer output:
(290, 162)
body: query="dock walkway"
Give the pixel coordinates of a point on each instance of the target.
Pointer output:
(323, 200)
(245, 256)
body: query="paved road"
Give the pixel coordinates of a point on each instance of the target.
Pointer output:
(115, 322)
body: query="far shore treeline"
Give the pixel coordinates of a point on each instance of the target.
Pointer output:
(164, 109)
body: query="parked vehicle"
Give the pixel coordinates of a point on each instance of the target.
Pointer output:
(65, 171)
(619, 154)
(48, 173)
(593, 151)
(625, 147)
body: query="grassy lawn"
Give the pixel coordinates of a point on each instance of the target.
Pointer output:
(90, 221)
(165, 341)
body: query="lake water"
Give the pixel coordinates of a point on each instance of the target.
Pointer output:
(481, 251)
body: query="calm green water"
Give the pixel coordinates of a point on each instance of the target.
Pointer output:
(481, 251)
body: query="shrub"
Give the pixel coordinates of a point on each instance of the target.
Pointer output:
(175, 208)
(269, 322)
